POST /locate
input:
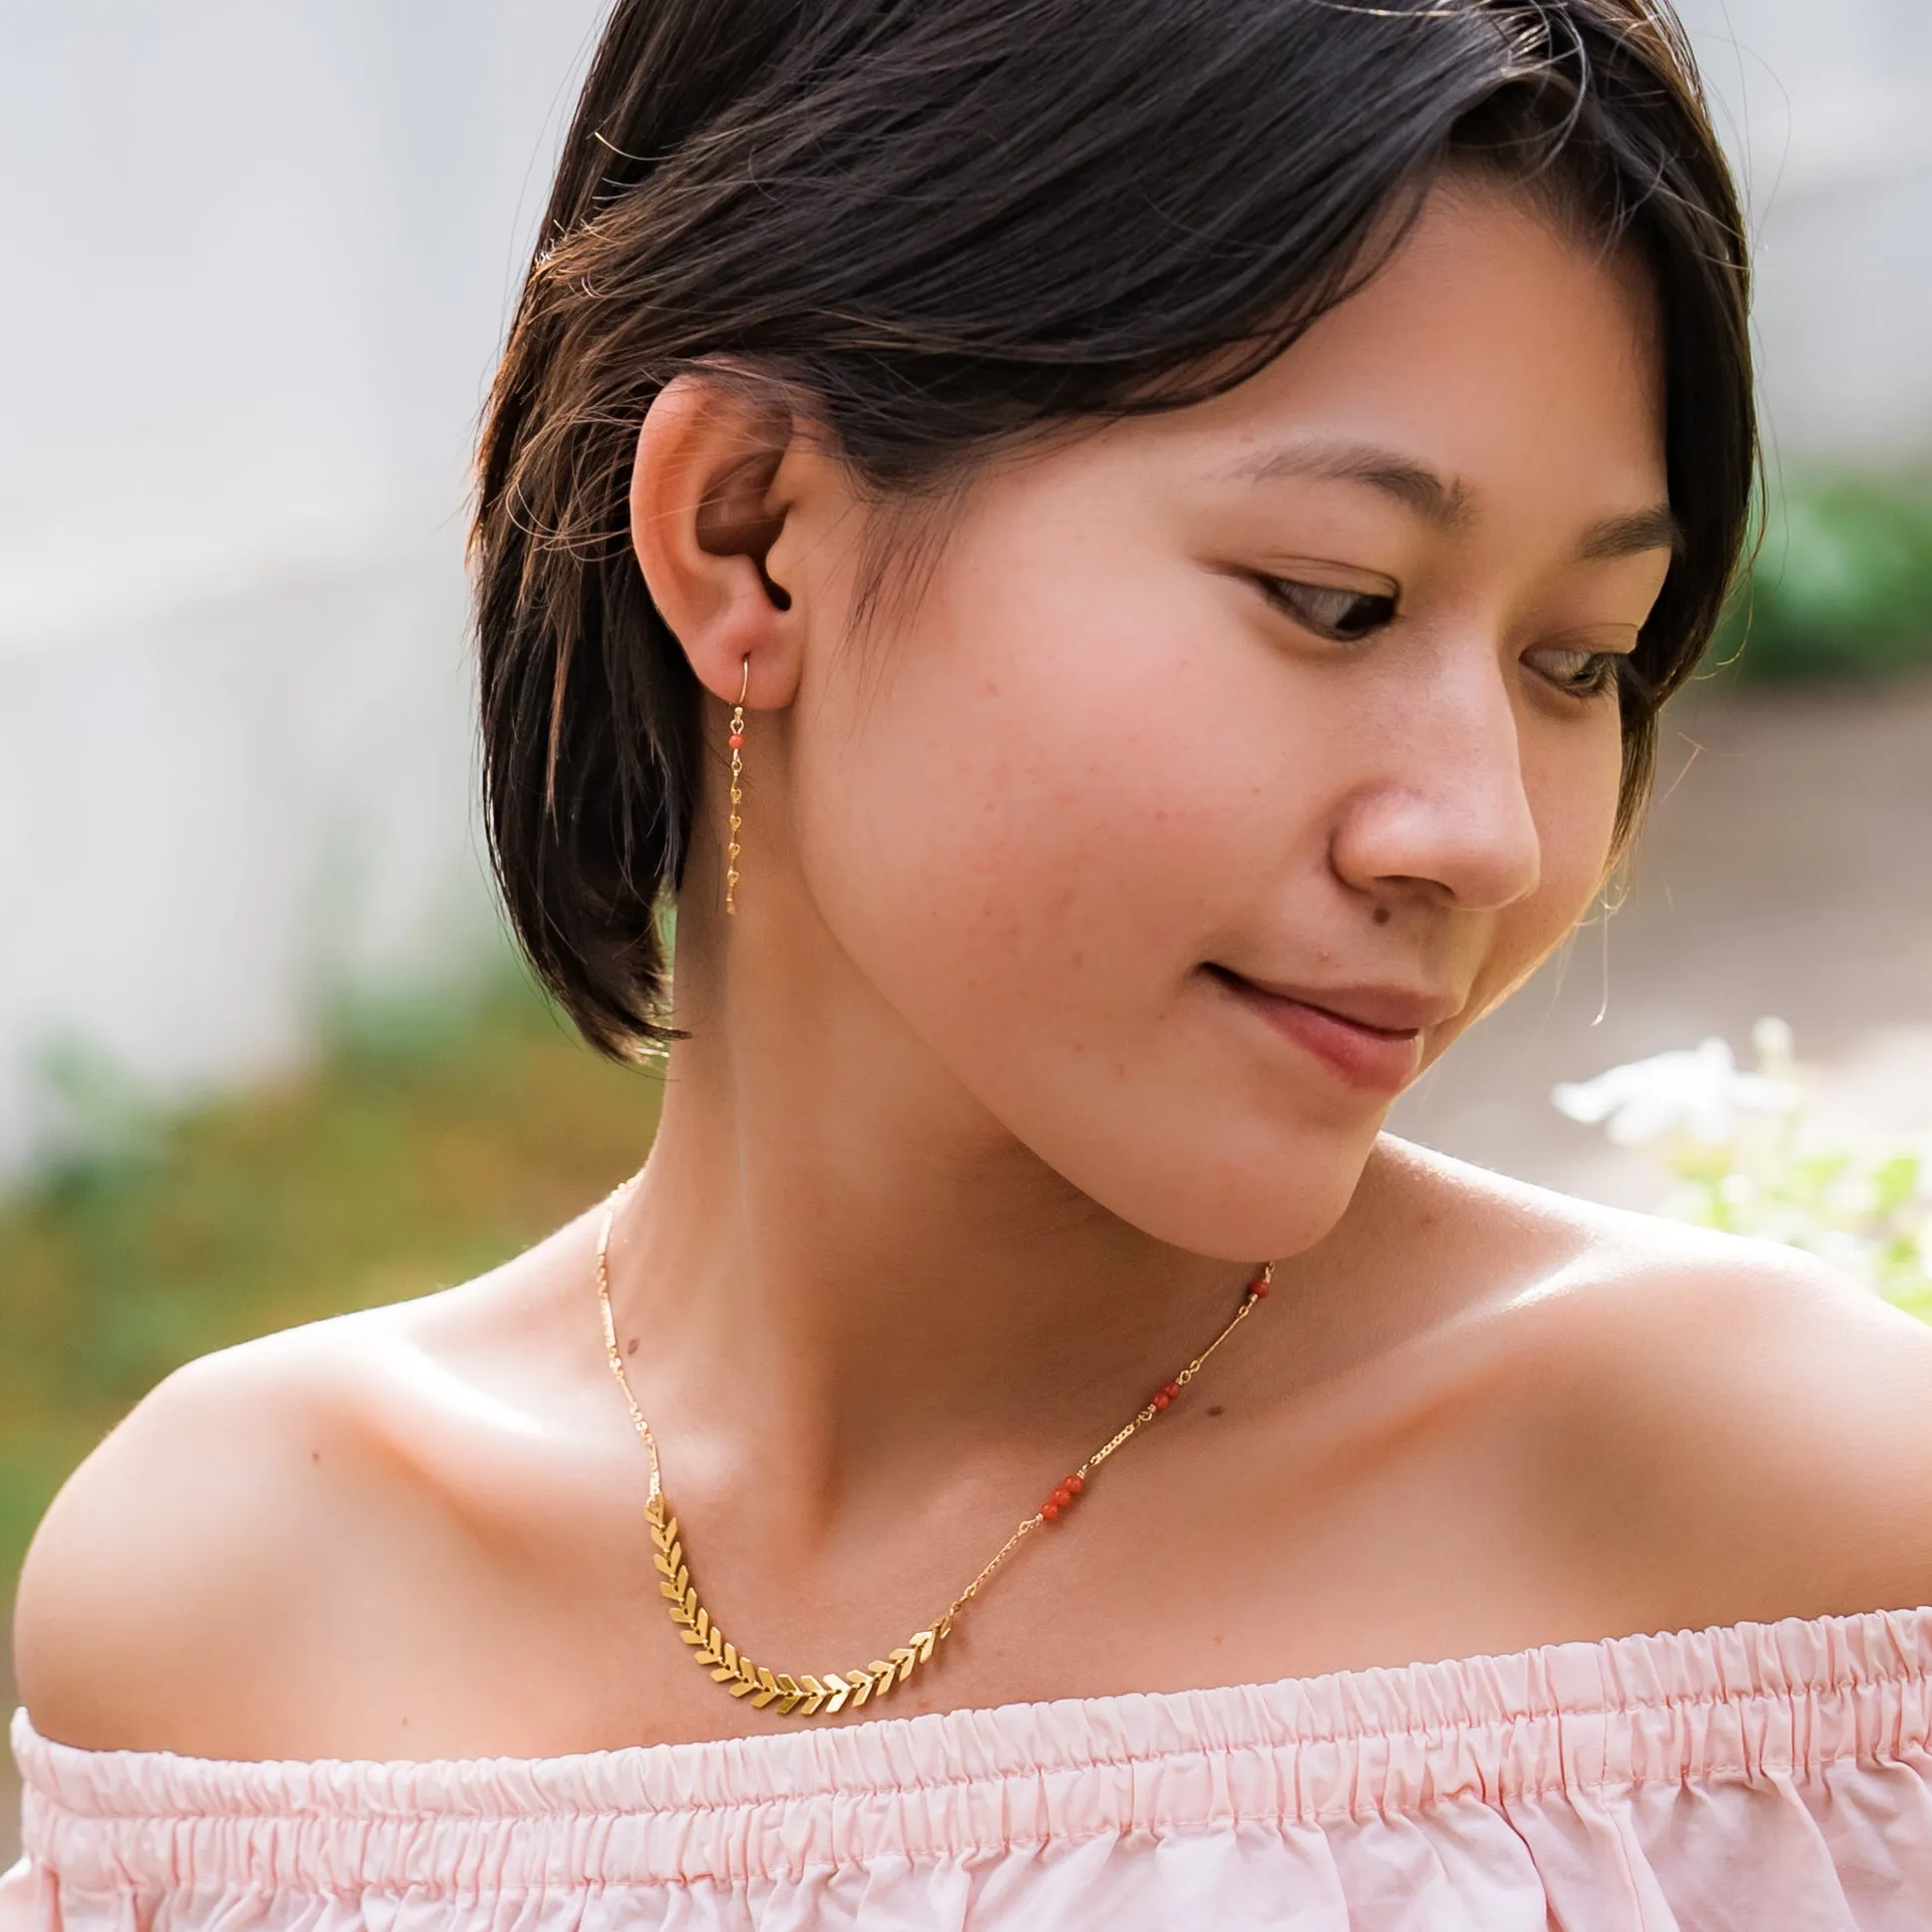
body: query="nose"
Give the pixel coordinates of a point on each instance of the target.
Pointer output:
(1445, 813)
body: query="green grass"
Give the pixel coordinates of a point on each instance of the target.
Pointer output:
(425, 1146)
(1842, 582)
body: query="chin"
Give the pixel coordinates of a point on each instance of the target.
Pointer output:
(1262, 1195)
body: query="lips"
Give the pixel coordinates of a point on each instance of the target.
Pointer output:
(1370, 1036)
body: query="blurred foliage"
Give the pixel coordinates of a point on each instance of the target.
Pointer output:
(1842, 583)
(432, 1140)
(1748, 1158)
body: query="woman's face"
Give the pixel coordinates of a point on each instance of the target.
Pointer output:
(1231, 762)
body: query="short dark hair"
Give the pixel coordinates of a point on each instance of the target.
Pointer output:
(951, 222)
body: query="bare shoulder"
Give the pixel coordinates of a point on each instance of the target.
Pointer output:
(194, 1568)
(1730, 1428)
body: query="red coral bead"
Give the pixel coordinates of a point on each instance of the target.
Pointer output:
(1172, 1390)
(1049, 1509)
(1061, 1497)
(1074, 1484)
(736, 741)
(1162, 1400)
(1258, 1287)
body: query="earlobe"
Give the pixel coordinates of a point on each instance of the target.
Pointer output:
(705, 510)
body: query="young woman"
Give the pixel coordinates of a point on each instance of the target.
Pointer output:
(1115, 563)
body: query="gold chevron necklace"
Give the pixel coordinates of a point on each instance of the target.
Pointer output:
(804, 1694)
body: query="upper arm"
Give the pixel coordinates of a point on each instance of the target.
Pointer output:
(168, 1587)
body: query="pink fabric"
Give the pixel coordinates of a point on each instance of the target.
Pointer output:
(1759, 1778)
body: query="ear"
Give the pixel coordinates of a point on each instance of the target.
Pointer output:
(710, 492)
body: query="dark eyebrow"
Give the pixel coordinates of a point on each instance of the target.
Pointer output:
(1654, 528)
(1446, 503)
(1449, 504)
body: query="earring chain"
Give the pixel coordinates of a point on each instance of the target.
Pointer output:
(736, 741)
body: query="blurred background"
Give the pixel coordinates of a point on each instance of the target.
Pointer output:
(263, 1053)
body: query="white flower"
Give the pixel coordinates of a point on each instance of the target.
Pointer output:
(1699, 1092)
(1776, 1050)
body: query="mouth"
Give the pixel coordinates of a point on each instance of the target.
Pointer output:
(1371, 1037)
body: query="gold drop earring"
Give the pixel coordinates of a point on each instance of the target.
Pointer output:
(737, 743)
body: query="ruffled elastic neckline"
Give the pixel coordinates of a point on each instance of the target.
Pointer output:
(1747, 1701)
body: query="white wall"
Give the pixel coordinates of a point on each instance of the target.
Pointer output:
(256, 257)
(257, 253)
(1827, 106)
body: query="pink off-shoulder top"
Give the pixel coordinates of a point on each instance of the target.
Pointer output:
(1759, 1778)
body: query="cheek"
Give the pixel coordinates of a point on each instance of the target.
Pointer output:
(1573, 784)
(1016, 824)
(1572, 773)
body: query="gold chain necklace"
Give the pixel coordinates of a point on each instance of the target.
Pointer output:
(804, 1694)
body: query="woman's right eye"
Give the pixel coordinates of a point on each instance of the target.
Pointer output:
(1341, 615)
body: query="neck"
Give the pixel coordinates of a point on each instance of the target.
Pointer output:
(834, 1261)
